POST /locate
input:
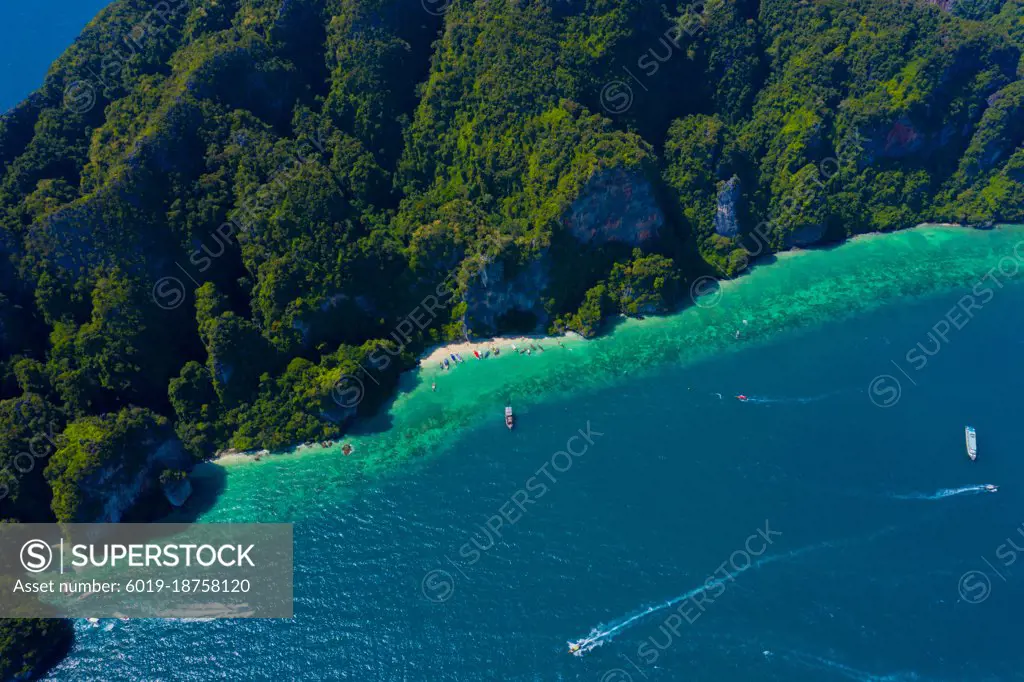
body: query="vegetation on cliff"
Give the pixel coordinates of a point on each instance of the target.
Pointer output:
(234, 222)
(29, 646)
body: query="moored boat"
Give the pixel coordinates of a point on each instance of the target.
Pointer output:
(972, 442)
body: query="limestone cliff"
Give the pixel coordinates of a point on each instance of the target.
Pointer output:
(616, 205)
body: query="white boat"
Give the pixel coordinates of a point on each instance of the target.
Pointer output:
(509, 419)
(972, 442)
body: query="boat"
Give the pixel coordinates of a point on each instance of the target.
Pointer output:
(487, 354)
(972, 442)
(346, 449)
(446, 363)
(442, 365)
(742, 398)
(991, 488)
(510, 419)
(454, 359)
(578, 647)
(477, 354)
(459, 357)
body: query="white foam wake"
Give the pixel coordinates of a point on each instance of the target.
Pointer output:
(948, 492)
(604, 633)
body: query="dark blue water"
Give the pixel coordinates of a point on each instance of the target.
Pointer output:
(32, 35)
(863, 582)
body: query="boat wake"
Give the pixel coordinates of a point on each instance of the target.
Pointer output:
(604, 633)
(948, 492)
(767, 400)
(825, 664)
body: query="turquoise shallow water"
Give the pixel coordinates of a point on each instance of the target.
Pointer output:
(403, 573)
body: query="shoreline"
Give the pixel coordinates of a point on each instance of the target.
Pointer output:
(432, 355)
(436, 354)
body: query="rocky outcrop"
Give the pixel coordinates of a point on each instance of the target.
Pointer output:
(615, 205)
(177, 490)
(496, 294)
(121, 490)
(727, 212)
(805, 236)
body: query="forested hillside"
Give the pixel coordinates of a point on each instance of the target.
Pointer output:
(212, 212)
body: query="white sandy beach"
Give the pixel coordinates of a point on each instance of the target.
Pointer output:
(436, 355)
(431, 358)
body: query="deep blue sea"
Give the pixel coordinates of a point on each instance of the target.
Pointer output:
(871, 513)
(885, 560)
(32, 35)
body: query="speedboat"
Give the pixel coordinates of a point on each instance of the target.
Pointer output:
(487, 354)
(972, 442)
(477, 354)
(459, 357)
(454, 359)
(510, 419)
(577, 648)
(742, 398)
(446, 363)
(991, 488)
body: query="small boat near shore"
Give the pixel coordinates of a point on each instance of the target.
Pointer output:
(972, 442)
